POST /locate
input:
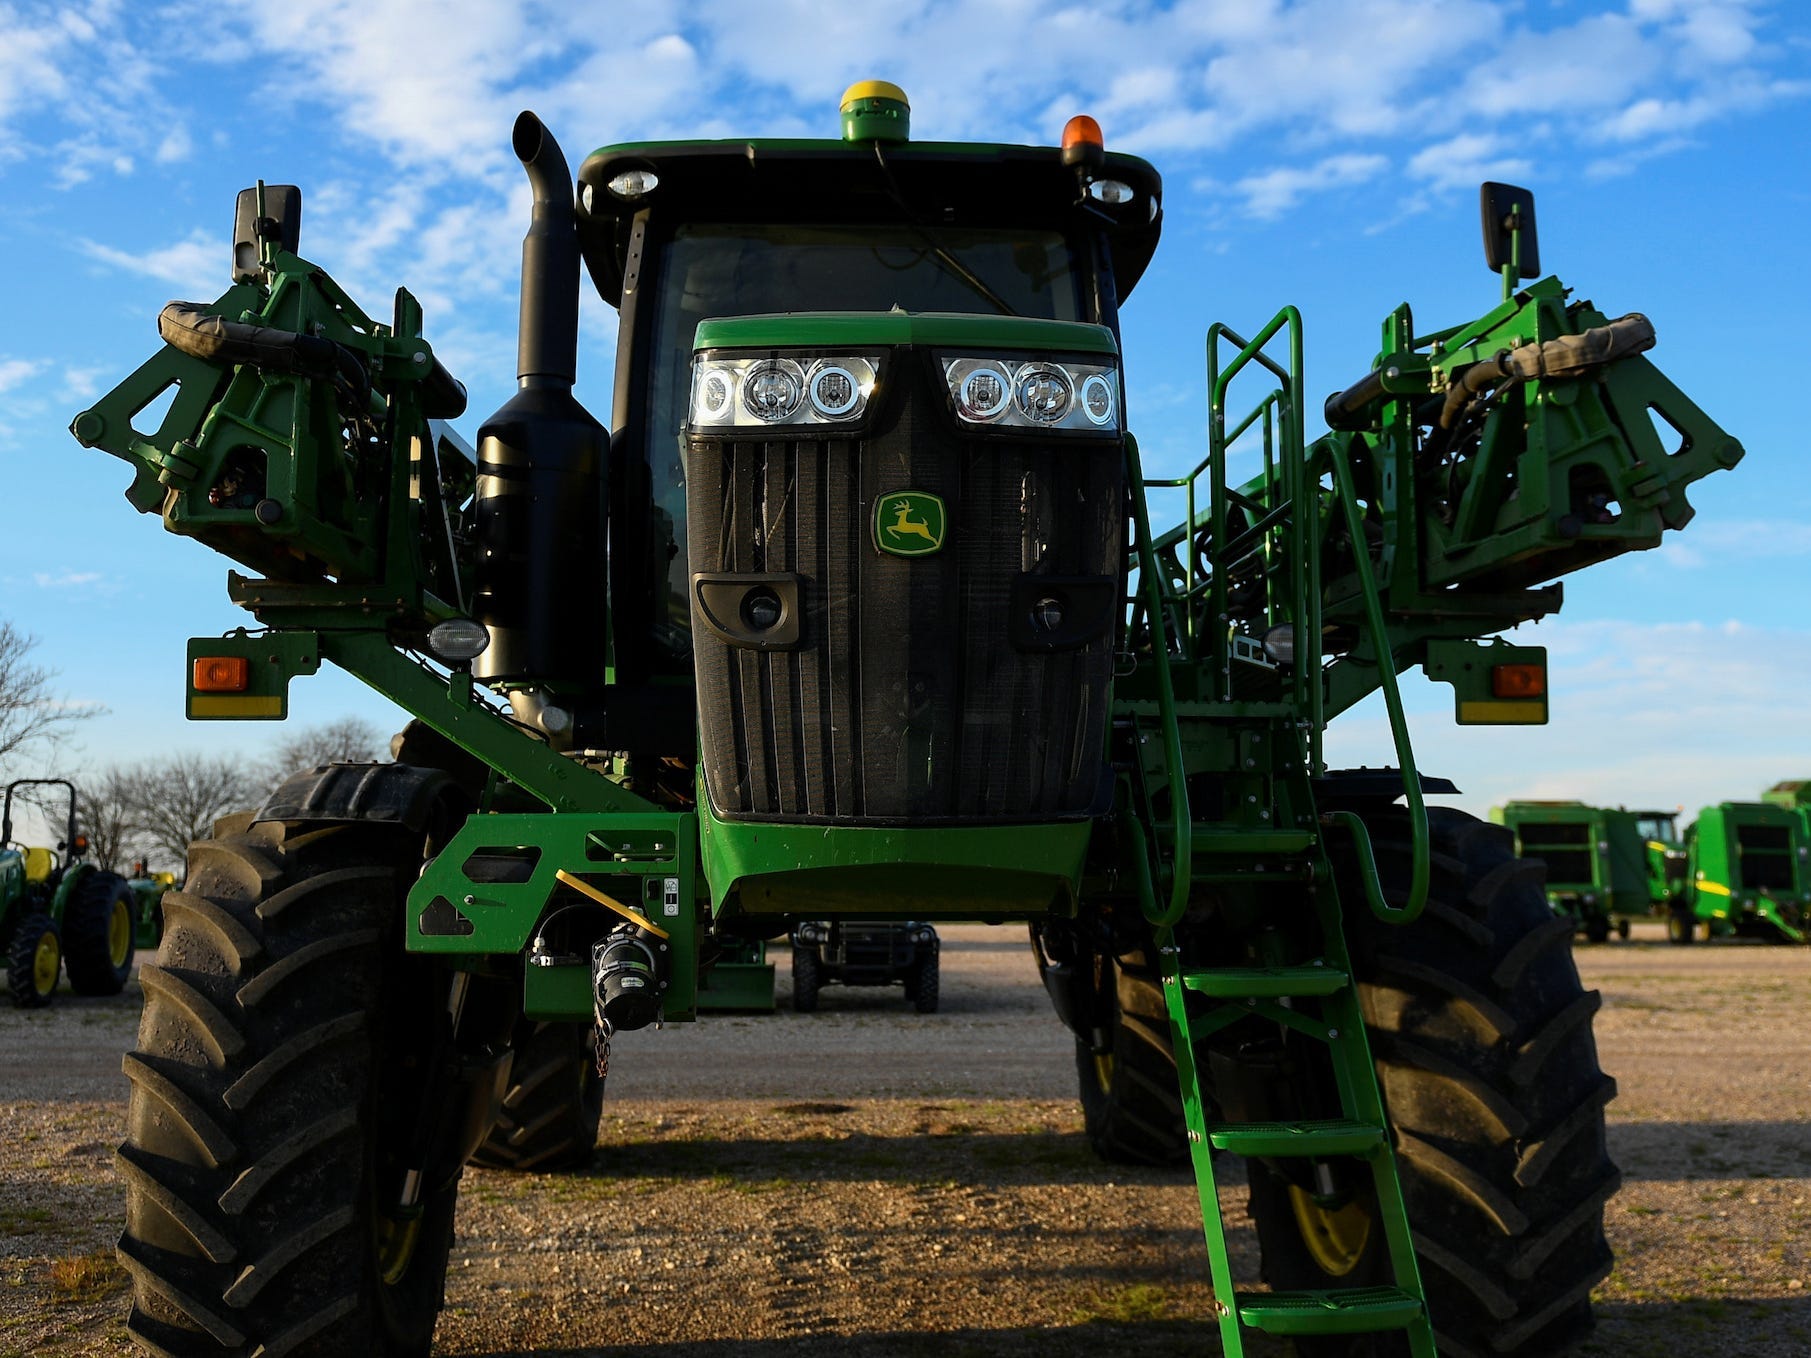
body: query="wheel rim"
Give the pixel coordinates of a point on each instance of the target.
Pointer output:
(1335, 1237)
(119, 935)
(46, 958)
(396, 1240)
(1103, 1070)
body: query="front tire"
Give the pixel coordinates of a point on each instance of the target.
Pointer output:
(1131, 1104)
(278, 1091)
(925, 982)
(98, 934)
(1681, 926)
(33, 961)
(552, 1104)
(805, 979)
(1481, 1035)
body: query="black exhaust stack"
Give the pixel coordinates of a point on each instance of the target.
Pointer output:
(539, 576)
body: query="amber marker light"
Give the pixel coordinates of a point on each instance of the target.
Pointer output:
(222, 674)
(1518, 681)
(1082, 142)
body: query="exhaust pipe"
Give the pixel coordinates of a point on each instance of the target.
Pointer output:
(538, 581)
(547, 332)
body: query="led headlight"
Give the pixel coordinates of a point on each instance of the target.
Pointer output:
(772, 390)
(740, 393)
(1043, 393)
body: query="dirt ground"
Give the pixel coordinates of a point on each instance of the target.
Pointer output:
(869, 1180)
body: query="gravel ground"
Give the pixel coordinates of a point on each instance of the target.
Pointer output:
(865, 1179)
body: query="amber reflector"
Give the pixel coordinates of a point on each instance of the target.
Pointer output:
(1518, 681)
(222, 674)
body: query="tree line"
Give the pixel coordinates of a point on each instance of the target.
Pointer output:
(146, 814)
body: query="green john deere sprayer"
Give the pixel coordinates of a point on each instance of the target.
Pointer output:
(1748, 871)
(1597, 859)
(855, 610)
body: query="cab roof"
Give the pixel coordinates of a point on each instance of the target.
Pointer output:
(848, 183)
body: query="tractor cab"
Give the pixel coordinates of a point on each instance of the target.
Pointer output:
(683, 233)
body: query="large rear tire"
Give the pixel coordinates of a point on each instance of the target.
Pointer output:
(98, 934)
(1131, 1105)
(1482, 1037)
(551, 1107)
(278, 1089)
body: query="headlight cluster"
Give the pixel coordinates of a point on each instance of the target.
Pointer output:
(754, 392)
(1037, 393)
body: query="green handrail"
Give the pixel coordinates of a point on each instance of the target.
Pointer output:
(1392, 698)
(1150, 584)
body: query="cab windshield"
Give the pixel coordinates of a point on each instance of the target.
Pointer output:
(710, 270)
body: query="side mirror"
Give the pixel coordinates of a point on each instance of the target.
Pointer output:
(281, 222)
(1509, 237)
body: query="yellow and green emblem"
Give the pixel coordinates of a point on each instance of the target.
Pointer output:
(909, 523)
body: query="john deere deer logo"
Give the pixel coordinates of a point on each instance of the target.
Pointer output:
(908, 523)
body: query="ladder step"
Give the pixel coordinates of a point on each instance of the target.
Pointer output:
(1334, 1136)
(1357, 1310)
(1239, 983)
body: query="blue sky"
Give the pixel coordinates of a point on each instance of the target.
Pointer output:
(1320, 153)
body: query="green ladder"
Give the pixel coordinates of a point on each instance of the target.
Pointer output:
(1315, 996)
(1289, 996)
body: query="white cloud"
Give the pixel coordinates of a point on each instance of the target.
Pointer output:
(1276, 191)
(176, 145)
(1465, 160)
(82, 384)
(13, 371)
(1659, 714)
(197, 264)
(64, 579)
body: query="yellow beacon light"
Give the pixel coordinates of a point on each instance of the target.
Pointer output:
(876, 110)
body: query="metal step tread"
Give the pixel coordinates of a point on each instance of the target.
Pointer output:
(1240, 983)
(1354, 1310)
(1331, 1136)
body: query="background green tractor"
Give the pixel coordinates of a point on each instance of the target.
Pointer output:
(1748, 874)
(59, 913)
(1596, 859)
(1667, 865)
(856, 612)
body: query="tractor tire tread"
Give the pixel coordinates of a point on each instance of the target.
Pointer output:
(217, 1032)
(549, 1116)
(254, 1111)
(233, 937)
(87, 922)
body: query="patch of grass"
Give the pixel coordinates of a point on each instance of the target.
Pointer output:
(1137, 1304)
(86, 1277)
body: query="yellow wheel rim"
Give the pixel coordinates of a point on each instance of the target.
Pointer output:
(119, 934)
(44, 963)
(396, 1239)
(1103, 1070)
(1336, 1238)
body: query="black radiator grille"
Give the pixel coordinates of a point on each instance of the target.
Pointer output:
(905, 698)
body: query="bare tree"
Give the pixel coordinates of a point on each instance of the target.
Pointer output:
(347, 740)
(110, 808)
(179, 799)
(32, 716)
